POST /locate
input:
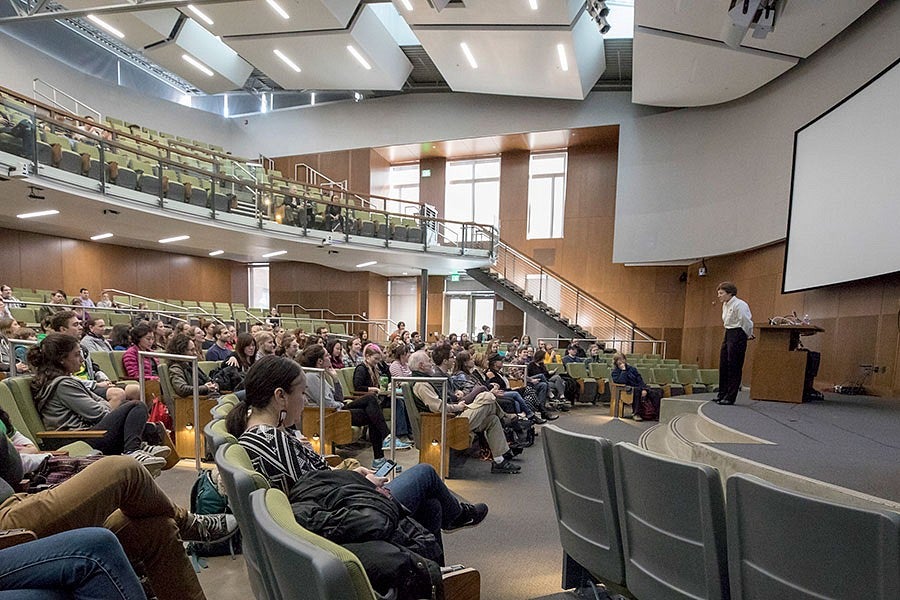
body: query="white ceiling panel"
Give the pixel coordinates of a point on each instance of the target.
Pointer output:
(491, 12)
(136, 25)
(258, 16)
(675, 70)
(325, 62)
(229, 71)
(518, 61)
(801, 28)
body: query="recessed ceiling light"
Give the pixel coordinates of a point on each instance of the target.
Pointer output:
(216, 252)
(177, 238)
(276, 253)
(286, 60)
(312, 98)
(406, 4)
(405, 273)
(563, 59)
(200, 14)
(532, 4)
(40, 213)
(367, 264)
(101, 236)
(359, 57)
(103, 24)
(198, 65)
(469, 56)
(281, 12)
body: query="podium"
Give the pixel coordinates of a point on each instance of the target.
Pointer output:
(779, 370)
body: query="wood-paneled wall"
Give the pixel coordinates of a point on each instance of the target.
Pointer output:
(350, 165)
(33, 260)
(861, 320)
(653, 297)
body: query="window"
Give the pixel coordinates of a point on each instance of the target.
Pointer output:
(472, 194)
(404, 185)
(402, 301)
(466, 313)
(546, 195)
(258, 279)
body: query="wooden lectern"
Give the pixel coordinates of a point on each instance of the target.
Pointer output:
(779, 371)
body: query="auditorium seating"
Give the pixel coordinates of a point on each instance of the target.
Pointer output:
(31, 427)
(426, 432)
(672, 517)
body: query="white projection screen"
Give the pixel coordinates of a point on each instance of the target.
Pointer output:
(844, 216)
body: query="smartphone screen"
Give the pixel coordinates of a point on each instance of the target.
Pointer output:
(385, 468)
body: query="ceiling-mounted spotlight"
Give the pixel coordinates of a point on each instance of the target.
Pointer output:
(602, 8)
(741, 15)
(603, 25)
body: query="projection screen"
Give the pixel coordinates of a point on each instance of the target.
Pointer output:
(844, 215)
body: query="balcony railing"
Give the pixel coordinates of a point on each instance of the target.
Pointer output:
(177, 176)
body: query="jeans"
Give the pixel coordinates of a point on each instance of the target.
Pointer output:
(124, 427)
(118, 493)
(80, 564)
(420, 490)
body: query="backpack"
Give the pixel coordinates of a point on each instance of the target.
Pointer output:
(206, 500)
(228, 378)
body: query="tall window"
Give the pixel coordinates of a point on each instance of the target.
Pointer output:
(466, 313)
(258, 279)
(402, 301)
(546, 195)
(404, 185)
(472, 193)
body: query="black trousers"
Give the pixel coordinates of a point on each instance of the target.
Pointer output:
(124, 429)
(731, 363)
(367, 411)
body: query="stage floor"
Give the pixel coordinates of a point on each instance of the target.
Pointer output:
(849, 441)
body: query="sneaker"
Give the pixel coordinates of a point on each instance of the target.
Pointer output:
(548, 416)
(161, 451)
(537, 420)
(637, 417)
(209, 528)
(154, 464)
(398, 444)
(471, 515)
(507, 467)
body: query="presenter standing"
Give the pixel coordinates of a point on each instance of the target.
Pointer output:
(738, 329)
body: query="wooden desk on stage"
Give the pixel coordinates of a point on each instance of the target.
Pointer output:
(778, 371)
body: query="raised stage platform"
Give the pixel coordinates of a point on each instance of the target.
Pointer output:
(845, 448)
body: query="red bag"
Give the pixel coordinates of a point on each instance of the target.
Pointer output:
(159, 413)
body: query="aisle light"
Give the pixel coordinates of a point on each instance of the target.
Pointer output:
(469, 56)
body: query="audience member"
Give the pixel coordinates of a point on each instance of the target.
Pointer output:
(537, 368)
(484, 335)
(120, 337)
(534, 395)
(219, 351)
(142, 339)
(265, 344)
(335, 351)
(274, 317)
(117, 493)
(105, 302)
(275, 387)
(398, 333)
(625, 374)
(245, 352)
(7, 356)
(484, 413)
(572, 355)
(85, 297)
(181, 372)
(288, 347)
(93, 340)
(65, 404)
(354, 353)
(58, 302)
(6, 293)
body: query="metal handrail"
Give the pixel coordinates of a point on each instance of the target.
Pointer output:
(655, 344)
(194, 360)
(444, 382)
(58, 92)
(516, 267)
(321, 373)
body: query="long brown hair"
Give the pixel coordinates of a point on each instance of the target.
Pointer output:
(264, 377)
(244, 340)
(46, 359)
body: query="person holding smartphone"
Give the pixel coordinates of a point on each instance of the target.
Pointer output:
(275, 388)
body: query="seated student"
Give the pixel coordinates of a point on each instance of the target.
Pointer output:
(530, 395)
(483, 413)
(275, 388)
(354, 353)
(364, 410)
(142, 339)
(58, 302)
(119, 494)
(625, 374)
(335, 350)
(265, 344)
(181, 373)
(82, 563)
(93, 340)
(219, 350)
(244, 352)
(95, 380)
(105, 302)
(7, 356)
(572, 355)
(120, 337)
(65, 404)
(24, 333)
(288, 346)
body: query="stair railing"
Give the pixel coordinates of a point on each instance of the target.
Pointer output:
(572, 303)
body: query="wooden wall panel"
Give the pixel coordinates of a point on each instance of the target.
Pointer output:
(432, 188)
(860, 319)
(49, 262)
(379, 174)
